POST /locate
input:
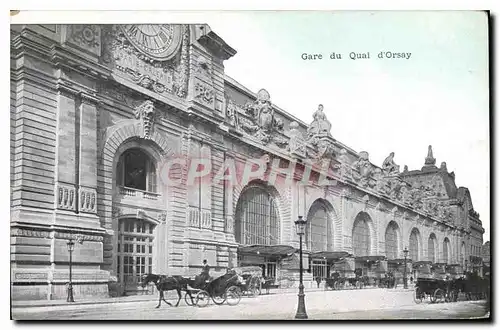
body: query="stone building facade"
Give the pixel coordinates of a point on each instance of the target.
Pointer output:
(106, 124)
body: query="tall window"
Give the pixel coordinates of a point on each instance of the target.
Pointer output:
(136, 170)
(432, 248)
(391, 241)
(257, 220)
(135, 250)
(318, 235)
(361, 235)
(445, 250)
(413, 249)
(462, 254)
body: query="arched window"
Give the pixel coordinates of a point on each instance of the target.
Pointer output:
(257, 220)
(413, 249)
(361, 235)
(318, 234)
(462, 255)
(432, 248)
(136, 170)
(446, 244)
(391, 241)
(135, 250)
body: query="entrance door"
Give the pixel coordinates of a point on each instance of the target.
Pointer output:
(135, 253)
(271, 268)
(319, 268)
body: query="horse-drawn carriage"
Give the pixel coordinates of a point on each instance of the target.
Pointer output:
(337, 281)
(252, 280)
(225, 288)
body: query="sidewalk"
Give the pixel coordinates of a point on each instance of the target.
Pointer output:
(126, 299)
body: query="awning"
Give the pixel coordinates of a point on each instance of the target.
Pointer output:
(398, 261)
(330, 255)
(370, 258)
(268, 250)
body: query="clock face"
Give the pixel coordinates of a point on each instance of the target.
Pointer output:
(158, 41)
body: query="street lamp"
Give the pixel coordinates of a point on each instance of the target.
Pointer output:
(300, 225)
(405, 280)
(71, 247)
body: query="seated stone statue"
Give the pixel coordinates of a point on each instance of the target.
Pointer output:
(389, 166)
(320, 125)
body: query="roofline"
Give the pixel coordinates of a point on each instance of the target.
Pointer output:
(231, 81)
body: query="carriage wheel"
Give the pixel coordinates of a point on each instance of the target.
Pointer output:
(439, 295)
(188, 300)
(233, 295)
(219, 299)
(202, 298)
(418, 296)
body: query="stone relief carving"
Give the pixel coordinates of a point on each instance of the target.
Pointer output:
(66, 194)
(159, 76)
(363, 169)
(86, 36)
(231, 112)
(262, 122)
(203, 67)
(204, 94)
(296, 144)
(87, 197)
(146, 113)
(29, 233)
(389, 167)
(162, 217)
(343, 167)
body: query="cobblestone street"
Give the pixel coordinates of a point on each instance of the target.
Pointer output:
(346, 304)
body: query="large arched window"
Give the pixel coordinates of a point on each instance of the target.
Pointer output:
(318, 234)
(431, 250)
(361, 235)
(413, 249)
(257, 219)
(446, 245)
(136, 170)
(391, 240)
(135, 250)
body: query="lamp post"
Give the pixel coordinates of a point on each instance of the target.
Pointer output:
(300, 225)
(405, 280)
(71, 247)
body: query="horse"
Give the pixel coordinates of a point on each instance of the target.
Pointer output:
(167, 283)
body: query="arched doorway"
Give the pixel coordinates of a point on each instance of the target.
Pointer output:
(257, 222)
(431, 247)
(319, 232)
(391, 240)
(134, 250)
(414, 245)
(446, 250)
(361, 238)
(257, 218)
(319, 235)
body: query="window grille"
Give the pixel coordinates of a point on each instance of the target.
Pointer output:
(361, 237)
(391, 241)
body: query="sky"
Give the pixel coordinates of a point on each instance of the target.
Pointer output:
(439, 96)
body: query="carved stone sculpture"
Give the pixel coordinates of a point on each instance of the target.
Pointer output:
(296, 144)
(343, 167)
(231, 111)
(430, 160)
(263, 123)
(320, 125)
(364, 169)
(146, 113)
(389, 166)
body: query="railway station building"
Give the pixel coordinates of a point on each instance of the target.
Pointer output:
(132, 141)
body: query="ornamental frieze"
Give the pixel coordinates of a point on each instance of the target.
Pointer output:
(204, 93)
(163, 70)
(20, 232)
(87, 37)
